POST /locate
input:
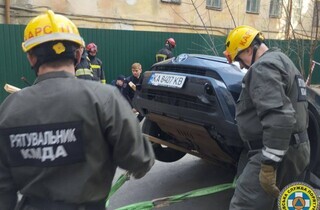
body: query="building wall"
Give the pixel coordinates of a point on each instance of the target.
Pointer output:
(128, 31)
(191, 16)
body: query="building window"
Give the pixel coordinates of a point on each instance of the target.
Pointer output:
(316, 14)
(214, 4)
(297, 8)
(172, 1)
(253, 6)
(275, 8)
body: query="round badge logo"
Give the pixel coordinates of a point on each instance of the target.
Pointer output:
(298, 196)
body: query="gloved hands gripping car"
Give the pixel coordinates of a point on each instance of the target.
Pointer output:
(268, 172)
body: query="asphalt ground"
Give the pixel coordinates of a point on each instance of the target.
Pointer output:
(167, 179)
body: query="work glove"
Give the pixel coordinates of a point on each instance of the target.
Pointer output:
(141, 173)
(138, 175)
(267, 178)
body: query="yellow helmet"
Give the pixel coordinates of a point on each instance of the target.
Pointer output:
(49, 27)
(239, 39)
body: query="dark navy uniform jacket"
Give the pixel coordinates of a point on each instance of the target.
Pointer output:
(97, 69)
(83, 68)
(164, 54)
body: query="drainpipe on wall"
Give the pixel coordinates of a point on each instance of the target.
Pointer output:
(7, 12)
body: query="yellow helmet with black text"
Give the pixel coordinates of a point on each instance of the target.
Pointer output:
(50, 27)
(239, 39)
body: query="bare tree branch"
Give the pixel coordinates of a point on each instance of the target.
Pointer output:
(214, 50)
(234, 22)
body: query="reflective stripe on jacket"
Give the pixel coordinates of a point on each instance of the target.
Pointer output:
(82, 72)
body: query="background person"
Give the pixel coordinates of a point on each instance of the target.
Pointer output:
(96, 63)
(272, 118)
(118, 81)
(121, 84)
(80, 130)
(166, 52)
(83, 68)
(132, 82)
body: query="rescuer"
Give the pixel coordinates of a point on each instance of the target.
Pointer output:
(272, 118)
(83, 68)
(166, 52)
(62, 138)
(96, 63)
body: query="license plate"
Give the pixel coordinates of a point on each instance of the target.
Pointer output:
(167, 80)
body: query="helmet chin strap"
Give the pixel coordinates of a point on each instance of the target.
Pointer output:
(168, 46)
(255, 49)
(254, 52)
(243, 63)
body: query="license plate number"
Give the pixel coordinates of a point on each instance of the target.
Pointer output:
(167, 80)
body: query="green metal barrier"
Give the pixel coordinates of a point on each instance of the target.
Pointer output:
(166, 201)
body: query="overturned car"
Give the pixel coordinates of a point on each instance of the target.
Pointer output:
(189, 107)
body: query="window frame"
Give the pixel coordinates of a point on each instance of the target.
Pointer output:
(298, 9)
(275, 8)
(250, 3)
(171, 1)
(316, 14)
(212, 6)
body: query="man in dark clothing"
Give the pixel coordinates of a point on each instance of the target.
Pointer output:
(83, 68)
(62, 138)
(96, 63)
(132, 82)
(166, 52)
(272, 117)
(119, 81)
(121, 84)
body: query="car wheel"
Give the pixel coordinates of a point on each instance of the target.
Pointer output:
(162, 153)
(166, 154)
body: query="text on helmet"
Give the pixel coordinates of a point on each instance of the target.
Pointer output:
(47, 29)
(245, 38)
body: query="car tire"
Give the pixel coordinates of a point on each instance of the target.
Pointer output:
(166, 154)
(162, 153)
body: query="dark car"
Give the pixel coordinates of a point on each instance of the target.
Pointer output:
(189, 107)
